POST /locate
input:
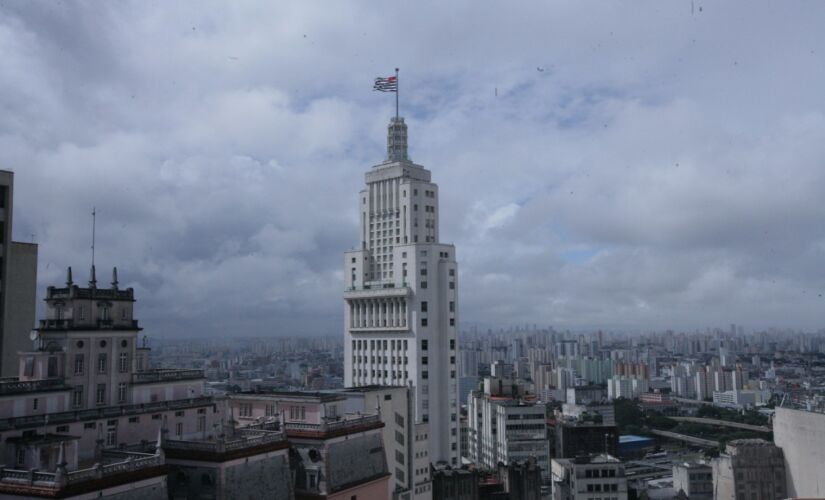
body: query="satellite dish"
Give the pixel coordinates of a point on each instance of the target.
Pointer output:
(34, 335)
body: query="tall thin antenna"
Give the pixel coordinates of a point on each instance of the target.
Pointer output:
(397, 89)
(94, 223)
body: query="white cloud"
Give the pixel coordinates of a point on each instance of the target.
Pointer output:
(679, 152)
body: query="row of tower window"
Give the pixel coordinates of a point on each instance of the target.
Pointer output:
(371, 313)
(358, 345)
(103, 312)
(381, 359)
(80, 363)
(101, 395)
(384, 198)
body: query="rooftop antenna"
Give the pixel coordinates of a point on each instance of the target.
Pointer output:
(94, 221)
(93, 277)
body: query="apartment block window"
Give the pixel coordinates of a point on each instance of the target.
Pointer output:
(424, 345)
(179, 429)
(452, 272)
(77, 396)
(452, 306)
(134, 420)
(452, 285)
(78, 364)
(423, 284)
(424, 360)
(424, 306)
(452, 321)
(423, 321)
(123, 363)
(452, 343)
(35, 403)
(425, 374)
(121, 392)
(101, 363)
(100, 396)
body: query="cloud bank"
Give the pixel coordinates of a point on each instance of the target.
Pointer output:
(631, 165)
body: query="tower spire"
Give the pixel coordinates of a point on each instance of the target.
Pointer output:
(397, 140)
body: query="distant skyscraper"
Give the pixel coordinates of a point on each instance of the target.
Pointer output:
(402, 295)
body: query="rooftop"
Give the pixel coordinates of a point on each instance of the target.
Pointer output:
(318, 396)
(126, 467)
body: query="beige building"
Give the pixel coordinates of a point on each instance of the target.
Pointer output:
(85, 376)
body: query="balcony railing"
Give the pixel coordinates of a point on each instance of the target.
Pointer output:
(244, 439)
(69, 324)
(20, 387)
(333, 425)
(105, 412)
(376, 285)
(90, 293)
(56, 480)
(151, 376)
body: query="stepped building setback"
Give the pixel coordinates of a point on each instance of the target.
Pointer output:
(402, 295)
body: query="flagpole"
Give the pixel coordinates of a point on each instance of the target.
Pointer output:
(397, 89)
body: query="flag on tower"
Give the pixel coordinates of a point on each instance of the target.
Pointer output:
(389, 84)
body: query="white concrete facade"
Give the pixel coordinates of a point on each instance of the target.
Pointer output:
(503, 429)
(401, 312)
(801, 435)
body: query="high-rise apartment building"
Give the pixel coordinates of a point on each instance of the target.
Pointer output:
(505, 425)
(18, 284)
(401, 295)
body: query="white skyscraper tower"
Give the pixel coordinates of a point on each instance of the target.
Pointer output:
(402, 295)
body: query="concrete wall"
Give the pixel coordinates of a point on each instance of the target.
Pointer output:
(801, 435)
(152, 488)
(20, 298)
(374, 489)
(264, 476)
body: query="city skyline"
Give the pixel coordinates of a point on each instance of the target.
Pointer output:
(590, 178)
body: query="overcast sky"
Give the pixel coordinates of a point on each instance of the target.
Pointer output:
(617, 165)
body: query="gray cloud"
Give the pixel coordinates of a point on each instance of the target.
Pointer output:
(623, 165)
